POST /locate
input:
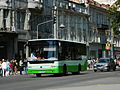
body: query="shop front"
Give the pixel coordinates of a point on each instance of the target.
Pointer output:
(8, 45)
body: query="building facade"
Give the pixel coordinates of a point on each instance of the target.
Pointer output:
(20, 19)
(101, 34)
(99, 30)
(84, 21)
(14, 26)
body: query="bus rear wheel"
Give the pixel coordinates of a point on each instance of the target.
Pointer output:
(78, 72)
(38, 75)
(64, 70)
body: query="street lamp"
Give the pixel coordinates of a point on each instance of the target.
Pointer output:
(42, 24)
(112, 45)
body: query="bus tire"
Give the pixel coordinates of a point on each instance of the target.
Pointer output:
(57, 74)
(64, 70)
(79, 69)
(38, 75)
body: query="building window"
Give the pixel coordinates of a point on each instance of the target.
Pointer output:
(20, 20)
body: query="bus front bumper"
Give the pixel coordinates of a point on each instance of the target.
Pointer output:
(44, 71)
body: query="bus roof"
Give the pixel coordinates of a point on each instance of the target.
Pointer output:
(32, 40)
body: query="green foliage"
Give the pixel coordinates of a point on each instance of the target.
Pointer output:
(114, 12)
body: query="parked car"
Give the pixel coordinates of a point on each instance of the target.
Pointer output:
(105, 64)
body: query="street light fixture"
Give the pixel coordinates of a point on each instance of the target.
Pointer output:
(62, 26)
(42, 24)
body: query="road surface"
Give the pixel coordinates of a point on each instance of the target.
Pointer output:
(87, 80)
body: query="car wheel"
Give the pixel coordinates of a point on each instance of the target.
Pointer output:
(108, 69)
(95, 70)
(114, 69)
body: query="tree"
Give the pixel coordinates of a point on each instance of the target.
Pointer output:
(114, 12)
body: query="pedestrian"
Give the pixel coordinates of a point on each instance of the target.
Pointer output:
(89, 63)
(8, 68)
(21, 66)
(4, 67)
(15, 66)
(11, 67)
(97, 60)
(0, 68)
(25, 66)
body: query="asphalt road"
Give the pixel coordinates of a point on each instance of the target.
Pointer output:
(85, 81)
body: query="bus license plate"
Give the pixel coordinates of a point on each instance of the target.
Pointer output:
(41, 71)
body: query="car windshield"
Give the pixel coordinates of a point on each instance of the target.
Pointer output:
(104, 60)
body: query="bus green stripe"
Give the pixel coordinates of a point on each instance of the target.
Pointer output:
(59, 69)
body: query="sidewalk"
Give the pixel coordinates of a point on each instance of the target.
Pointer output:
(91, 69)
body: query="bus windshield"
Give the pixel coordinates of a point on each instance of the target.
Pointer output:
(45, 50)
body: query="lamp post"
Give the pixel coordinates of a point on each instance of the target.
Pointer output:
(42, 24)
(112, 45)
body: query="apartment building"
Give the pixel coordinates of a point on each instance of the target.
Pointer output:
(84, 21)
(15, 26)
(20, 19)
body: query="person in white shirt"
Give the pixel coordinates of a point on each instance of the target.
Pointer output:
(0, 68)
(4, 67)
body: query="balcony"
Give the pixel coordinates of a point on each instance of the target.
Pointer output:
(102, 27)
(14, 4)
(32, 4)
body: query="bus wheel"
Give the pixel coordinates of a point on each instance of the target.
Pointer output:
(38, 74)
(64, 70)
(79, 68)
(57, 74)
(78, 72)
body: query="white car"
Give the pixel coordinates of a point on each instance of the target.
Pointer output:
(104, 64)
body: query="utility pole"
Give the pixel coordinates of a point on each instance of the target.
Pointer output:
(112, 45)
(55, 18)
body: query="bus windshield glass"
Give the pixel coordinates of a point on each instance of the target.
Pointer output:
(45, 50)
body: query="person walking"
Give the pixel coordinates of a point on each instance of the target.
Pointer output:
(4, 67)
(0, 68)
(25, 67)
(21, 66)
(8, 68)
(89, 63)
(15, 66)
(11, 67)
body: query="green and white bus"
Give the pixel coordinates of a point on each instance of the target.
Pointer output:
(52, 56)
